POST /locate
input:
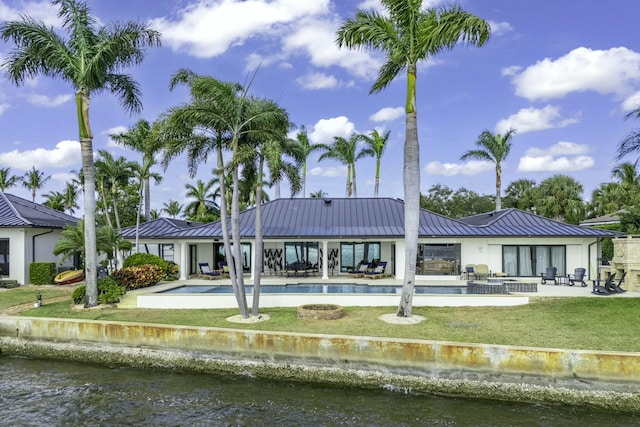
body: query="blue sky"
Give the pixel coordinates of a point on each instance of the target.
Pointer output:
(562, 73)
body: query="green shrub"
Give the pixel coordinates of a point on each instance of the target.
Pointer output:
(173, 271)
(139, 276)
(109, 292)
(143, 259)
(42, 273)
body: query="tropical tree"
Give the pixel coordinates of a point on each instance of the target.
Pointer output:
(408, 33)
(172, 208)
(72, 242)
(155, 214)
(111, 243)
(608, 198)
(203, 207)
(144, 174)
(91, 60)
(375, 144)
(318, 194)
(631, 143)
(71, 193)
(34, 180)
(142, 139)
(55, 200)
(561, 199)
(522, 194)
(307, 148)
(7, 180)
(344, 151)
(492, 148)
(114, 172)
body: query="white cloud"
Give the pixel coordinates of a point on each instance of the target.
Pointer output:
(500, 28)
(65, 154)
(510, 71)
(387, 114)
(533, 119)
(39, 10)
(325, 129)
(472, 167)
(561, 157)
(314, 81)
(47, 101)
(612, 71)
(632, 102)
(207, 29)
(330, 172)
(112, 131)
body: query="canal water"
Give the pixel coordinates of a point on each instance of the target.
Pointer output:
(52, 393)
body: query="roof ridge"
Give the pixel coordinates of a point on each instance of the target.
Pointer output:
(13, 208)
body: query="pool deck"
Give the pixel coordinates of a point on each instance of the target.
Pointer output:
(150, 298)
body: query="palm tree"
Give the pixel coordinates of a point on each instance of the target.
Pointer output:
(561, 199)
(631, 143)
(344, 151)
(307, 149)
(144, 175)
(55, 200)
(608, 198)
(204, 204)
(522, 194)
(407, 34)
(493, 148)
(142, 139)
(91, 60)
(626, 173)
(155, 214)
(318, 194)
(375, 146)
(72, 242)
(7, 180)
(172, 208)
(71, 192)
(114, 173)
(34, 180)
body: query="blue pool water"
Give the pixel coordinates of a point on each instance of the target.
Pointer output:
(345, 288)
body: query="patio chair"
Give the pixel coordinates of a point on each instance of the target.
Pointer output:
(378, 272)
(482, 271)
(206, 272)
(362, 268)
(577, 277)
(223, 268)
(549, 275)
(615, 287)
(470, 270)
(605, 288)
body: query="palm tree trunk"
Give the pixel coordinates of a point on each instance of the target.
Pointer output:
(147, 200)
(237, 248)
(88, 169)
(304, 179)
(377, 185)
(348, 189)
(114, 195)
(498, 187)
(257, 268)
(411, 196)
(353, 180)
(138, 218)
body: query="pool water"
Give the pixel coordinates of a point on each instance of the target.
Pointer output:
(345, 288)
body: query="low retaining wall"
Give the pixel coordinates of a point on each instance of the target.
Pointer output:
(475, 370)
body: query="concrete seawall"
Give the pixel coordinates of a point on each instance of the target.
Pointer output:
(609, 380)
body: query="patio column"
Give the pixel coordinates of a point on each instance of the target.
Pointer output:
(183, 256)
(325, 260)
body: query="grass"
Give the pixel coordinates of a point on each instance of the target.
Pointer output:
(609, 324)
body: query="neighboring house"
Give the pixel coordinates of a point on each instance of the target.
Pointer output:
(332, 236)
(608, 219)
(28, 233)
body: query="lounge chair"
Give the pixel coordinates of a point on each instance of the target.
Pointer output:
(470, 270)
(549, 275)
(482, 271)
(207, 273)
(362, 268)
(615, 287)
(577, 277)
(378, 272)
(603, 289)
(223, 268)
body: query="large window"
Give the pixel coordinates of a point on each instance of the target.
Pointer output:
(219, 256)
(438, 259)
(301, 252)
(163, 250)
(352, 254)
(531, 260)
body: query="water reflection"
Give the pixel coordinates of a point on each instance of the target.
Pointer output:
(39, 393)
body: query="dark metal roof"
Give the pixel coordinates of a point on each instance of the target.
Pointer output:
(18, 212)
(158, 228)
(335, 218)
(517, 223)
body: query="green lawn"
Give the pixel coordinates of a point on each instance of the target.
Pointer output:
(575, 323)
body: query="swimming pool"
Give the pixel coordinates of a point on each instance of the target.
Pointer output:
(338, 288)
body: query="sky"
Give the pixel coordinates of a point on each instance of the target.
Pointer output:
(563, 74)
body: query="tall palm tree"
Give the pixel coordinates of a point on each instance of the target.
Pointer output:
(608, 198)
(141, 138)
(144, 175)
(34, 180)
(375, 144)
(91, 60)
(55, 200)
(493, 148)
(71, 193)
(307, 149)
(344, 151)
(172, 208)
(203, 204)
(521, 194)
(7, 180)
(116, 172)
(631, 143)
(408, 33)
(561, 199)
(626, 173)
(155, 214)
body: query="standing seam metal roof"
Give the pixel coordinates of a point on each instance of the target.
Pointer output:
(18, 212)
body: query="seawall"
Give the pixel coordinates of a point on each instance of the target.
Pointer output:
(609, 380)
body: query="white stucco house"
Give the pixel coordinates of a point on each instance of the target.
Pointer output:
(28, 233)
(332, 236)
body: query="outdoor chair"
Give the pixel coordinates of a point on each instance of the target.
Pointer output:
(223, 268)
(206, 272)
(615, 287)
(577, 277)
(362, 268)
(482, 271)
(605, 288)
(378, 272)
(549, 275)
(470, 270)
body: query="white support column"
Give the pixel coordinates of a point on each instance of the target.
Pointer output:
(325, 260)
(183, 256)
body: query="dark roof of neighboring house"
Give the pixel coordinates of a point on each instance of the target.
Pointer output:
(158, 228)
(613, 218)
(18, 212)
(514, 222)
